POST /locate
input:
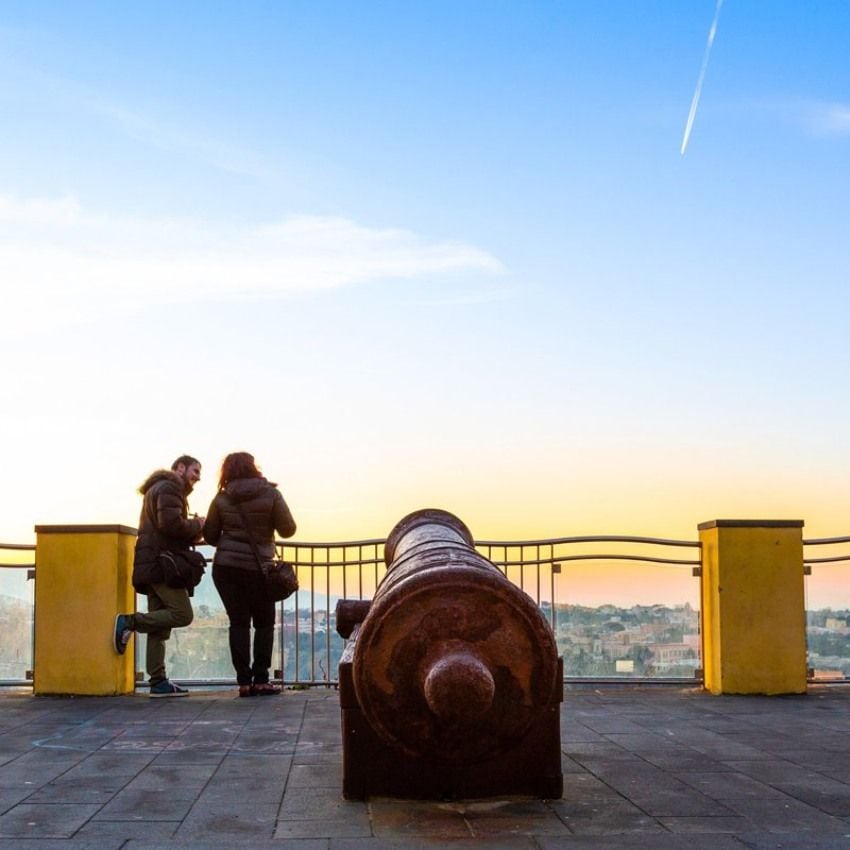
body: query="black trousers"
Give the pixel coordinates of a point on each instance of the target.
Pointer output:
(246, 599)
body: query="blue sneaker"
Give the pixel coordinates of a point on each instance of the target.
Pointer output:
(121, 633)
(167, 689)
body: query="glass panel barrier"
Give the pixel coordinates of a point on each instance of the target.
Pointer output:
(199, 652)
(632, 614)
(828, 616)
(647, 628)
(16, 613)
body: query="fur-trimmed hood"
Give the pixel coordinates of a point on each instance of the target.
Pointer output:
(162, 475)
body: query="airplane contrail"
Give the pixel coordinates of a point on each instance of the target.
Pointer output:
(695, 102)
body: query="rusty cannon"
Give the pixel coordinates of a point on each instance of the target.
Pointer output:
(450, 683)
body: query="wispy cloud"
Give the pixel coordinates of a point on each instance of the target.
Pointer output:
(815, 117)
(215, 152)
(55, 92)
(61, 263)
(827, 119)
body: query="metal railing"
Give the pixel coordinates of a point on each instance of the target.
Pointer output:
(825, 541)
(353, 569)
(310, 646)
(549, 570)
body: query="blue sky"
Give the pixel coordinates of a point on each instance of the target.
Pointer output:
(429, 254)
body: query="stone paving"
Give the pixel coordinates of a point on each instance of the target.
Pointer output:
(655, 767)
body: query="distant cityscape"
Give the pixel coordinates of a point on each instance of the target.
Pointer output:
(654, 641)
(644, 640)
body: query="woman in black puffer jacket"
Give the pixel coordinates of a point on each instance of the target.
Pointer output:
(235, 572)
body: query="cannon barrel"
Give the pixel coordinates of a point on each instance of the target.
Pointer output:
(454, 672)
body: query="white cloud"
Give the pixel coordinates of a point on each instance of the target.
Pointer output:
(834, 119)
(60, 263)
(820, 118)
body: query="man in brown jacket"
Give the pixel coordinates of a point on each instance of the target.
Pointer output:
(164, 524)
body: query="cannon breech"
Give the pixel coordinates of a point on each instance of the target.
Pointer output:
(450, 684)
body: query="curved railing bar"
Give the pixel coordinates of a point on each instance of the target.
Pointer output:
(827, 560)
(505, 545)
(17, 547)
(348, 544)
(525, 562)
(598, 538)
(825, 541)
(558, 560)
(605, 538)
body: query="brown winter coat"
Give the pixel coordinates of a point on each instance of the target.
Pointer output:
(164, 524)
(266, 512)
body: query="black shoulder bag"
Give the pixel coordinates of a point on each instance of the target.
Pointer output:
(182, 568)
(279, 576)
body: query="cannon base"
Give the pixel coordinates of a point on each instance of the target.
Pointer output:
(532, 768)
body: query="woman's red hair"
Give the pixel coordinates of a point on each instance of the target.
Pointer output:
(237, 465)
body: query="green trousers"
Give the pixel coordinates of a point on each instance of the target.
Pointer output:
(168, 608)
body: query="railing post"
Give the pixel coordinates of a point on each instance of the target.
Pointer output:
(753, 606)
(82, 580)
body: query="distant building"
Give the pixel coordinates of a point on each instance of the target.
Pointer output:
(671, 654)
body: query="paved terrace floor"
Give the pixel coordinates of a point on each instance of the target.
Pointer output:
(652, 767)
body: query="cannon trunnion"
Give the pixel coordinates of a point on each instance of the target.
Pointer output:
(450, 684)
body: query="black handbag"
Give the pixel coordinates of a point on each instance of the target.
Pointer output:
(182, 568)
(279, 576)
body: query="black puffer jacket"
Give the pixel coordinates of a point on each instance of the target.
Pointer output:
(163, 524)
(266, 512)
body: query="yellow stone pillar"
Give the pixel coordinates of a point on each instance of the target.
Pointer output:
(83, 578)
(753, 606)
